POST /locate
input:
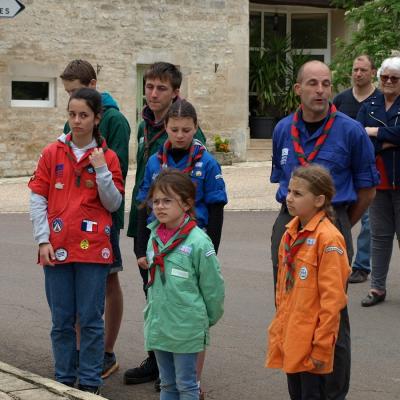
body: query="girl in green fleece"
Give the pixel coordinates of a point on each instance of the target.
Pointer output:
(185, 286)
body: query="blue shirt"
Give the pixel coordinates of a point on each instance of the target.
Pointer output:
(206, 174)
(347, 153)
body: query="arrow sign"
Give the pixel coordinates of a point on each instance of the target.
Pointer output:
(10, 8)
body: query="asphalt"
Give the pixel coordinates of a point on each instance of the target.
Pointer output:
(248, 190)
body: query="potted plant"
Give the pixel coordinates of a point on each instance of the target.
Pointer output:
(273, 72)
(222, 152)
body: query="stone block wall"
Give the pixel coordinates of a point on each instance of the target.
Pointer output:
(208, 39)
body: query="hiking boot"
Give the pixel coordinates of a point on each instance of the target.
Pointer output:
(110, 365)
(146, 372)
(89, 389)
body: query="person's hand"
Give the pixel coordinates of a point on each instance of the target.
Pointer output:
(46, 254)
(317, 363)
(372, 131)
(97, 158)
(142, 262)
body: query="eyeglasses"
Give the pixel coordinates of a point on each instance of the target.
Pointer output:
(166, 202)
(393, 79)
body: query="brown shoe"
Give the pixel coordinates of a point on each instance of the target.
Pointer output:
(358, 276)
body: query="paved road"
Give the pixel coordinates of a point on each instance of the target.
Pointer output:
(234, 366)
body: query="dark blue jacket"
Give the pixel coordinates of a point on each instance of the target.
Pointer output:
(374, 114)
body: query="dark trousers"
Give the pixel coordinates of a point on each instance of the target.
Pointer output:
(306, 386)
(338, 382)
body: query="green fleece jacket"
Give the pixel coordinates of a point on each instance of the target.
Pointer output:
(180, 312)
(115, 129)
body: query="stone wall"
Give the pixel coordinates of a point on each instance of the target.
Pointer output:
(208, 39)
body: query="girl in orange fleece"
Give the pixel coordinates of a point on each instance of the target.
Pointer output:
(311, 287)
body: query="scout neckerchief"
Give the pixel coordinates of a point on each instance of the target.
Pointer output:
(301, 156)
(192, 159)
(158, 259)
(147, 142)
(290, 252)
(78, 170)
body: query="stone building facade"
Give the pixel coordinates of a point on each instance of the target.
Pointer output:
(208, 39)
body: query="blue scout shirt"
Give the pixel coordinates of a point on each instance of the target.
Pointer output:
(206, 174)
(347, 153)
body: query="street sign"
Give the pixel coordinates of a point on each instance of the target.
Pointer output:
(10, 8)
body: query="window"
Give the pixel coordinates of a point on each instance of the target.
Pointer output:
(31, 92)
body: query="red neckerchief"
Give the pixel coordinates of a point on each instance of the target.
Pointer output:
(163, 156)
(158, 259)
(85, 163)
(290, 252)
(147, 142)
(303, 159)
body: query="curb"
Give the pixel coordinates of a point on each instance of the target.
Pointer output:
(38, 383)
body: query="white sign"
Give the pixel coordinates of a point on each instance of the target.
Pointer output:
(10, 8)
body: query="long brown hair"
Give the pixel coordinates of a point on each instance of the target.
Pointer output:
(320, 182)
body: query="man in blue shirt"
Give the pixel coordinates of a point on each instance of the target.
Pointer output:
(318, 133)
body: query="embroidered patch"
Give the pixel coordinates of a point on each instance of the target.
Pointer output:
(303, 273)
(59, 185)
(199, 164)
(285, 152)
(180, 273)
(107, 230)
(59, 170)
(84, 244)
(209, 253)
(61, 254)
(199, 173)
(310, 241)
(89, 183)
(90, 169)
(105, 253)
(89, 226)
(185, 249)
(334, 248)
(219, 176)
(57, 225)
(141, 140)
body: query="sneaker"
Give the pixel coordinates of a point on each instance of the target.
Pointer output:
(89, 389)
(110, 365)
(157, 385)
(358, 276)
(146, 372)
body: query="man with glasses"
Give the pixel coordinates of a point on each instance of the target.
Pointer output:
(349, 102)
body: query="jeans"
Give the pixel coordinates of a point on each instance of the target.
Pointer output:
(385, 222)
(362, 261)
(178, 375)
(77, 290)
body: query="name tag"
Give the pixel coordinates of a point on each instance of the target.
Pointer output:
(180, 273)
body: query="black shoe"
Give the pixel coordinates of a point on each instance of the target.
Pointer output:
(89, 389)
(70, 384)
(146, 372)
(373, 298)
(157, 385)
(358, 276)
(110, 365)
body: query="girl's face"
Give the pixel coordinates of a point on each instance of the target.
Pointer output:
(81, 119)
(169, 208)
(181, 131)
(301, 202)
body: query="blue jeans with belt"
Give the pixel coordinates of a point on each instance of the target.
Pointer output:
(77, 290)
